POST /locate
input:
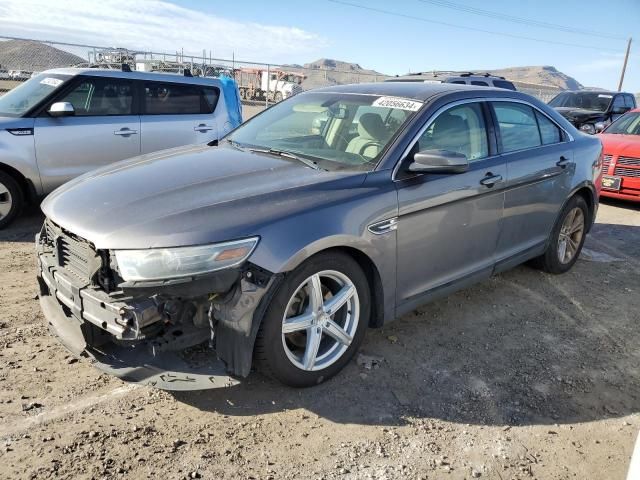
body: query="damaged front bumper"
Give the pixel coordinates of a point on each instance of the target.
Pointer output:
(169, 337)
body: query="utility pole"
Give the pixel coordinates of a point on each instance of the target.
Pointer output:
(624, 65)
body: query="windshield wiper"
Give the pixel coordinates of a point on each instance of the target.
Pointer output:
(282, 153)
(234, 144)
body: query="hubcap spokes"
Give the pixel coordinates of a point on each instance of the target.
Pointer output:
(571, 234)
(320, 320)
(5, 201)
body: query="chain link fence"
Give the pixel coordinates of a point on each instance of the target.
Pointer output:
(260, 84)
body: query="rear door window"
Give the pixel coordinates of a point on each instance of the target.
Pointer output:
(100, 97)
(518, 126)
(479, 83)
(179, 99)
(549, 131)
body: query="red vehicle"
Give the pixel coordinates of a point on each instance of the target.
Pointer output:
(621, 167)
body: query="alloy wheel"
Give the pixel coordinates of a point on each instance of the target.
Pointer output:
(320, 320)
(571, 234)
(6, 201)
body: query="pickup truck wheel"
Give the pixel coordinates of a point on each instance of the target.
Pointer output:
(315, 322)
(567, 238)
(278, 97)
(11, 199)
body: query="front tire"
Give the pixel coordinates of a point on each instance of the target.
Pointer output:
(567, 238)
(11, 199)
(315, 322)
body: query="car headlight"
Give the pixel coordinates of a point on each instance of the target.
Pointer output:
(588, 128)
(165, 263)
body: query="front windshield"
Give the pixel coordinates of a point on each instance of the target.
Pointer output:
(333, 129)
(21, 99)
(628, 124)
(598, 102)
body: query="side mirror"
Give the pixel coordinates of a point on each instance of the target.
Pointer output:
(61, 109)
(439, 161)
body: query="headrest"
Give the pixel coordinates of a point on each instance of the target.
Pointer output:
(446, 122)
(371, 126)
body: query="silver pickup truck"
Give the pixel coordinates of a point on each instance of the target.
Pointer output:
(65, 122)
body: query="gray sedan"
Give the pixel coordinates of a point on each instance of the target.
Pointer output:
(335, 211)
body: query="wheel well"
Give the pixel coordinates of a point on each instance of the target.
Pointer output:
(587, 195)
(375, 283)
(27, 188)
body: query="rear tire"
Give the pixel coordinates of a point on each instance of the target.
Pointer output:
(11, 199)
(278, 97)
(305, 339)
(567, 238)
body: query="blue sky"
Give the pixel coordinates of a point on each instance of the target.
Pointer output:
(284, 31)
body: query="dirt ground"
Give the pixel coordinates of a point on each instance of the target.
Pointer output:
(526, 375)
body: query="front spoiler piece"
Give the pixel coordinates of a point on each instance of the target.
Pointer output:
(164, 370)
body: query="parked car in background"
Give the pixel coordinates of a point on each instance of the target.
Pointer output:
(621, 166)
(479, 80)
(18, 75)
(75, 120)
(591, 111)
(290, 238)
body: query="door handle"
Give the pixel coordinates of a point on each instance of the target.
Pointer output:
(490, 180)
(563, 162)
(202, 128)
(125, 131)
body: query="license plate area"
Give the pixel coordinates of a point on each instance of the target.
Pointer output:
(611, 182)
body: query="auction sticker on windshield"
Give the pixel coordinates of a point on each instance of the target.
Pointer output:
(397, 102)
(52, 82)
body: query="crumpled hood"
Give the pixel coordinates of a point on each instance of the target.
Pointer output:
(188, 196)
(618, 144)
(579, 115)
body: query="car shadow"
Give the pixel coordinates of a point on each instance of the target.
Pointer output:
(24, 228)
(614, 202)
(522, 348)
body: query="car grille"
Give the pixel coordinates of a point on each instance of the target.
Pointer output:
(74, 254)
(606, 161)
(634, 162)
(627, 172)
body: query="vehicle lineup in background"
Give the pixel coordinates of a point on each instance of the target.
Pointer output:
(621, 165)
(591, 111)
(479, 80)
(274, 85)
(333, 211)
(65, 122)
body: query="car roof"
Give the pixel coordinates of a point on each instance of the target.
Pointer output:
(414, 90)
(134, 75)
